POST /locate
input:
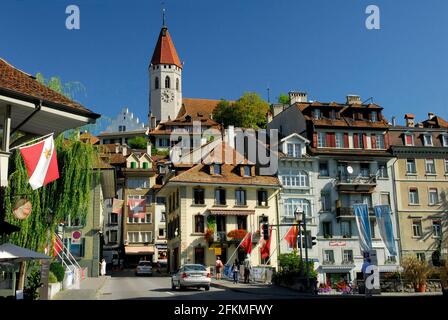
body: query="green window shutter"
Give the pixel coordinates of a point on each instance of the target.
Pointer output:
(133, 165)
(145, 165)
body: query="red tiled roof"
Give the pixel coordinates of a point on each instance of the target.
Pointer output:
(165, 52)
(13, 80)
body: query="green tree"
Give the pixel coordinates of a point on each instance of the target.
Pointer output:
(138, 142)
(283, 98)
(69, 89)
(249, 111)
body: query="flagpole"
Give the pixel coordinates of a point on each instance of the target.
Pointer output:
(239, 245)
(31, 141)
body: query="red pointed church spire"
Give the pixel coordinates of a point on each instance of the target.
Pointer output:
(165, 52)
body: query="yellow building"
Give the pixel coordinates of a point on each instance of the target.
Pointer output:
(208, 201)
(421, 184)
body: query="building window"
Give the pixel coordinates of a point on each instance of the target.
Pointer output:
(382, 170)
(295, 178)
(413, 196)
(156, 83)
(421, 256)
(417, 228)
(137, 183)
(339, 140)
(161, 233)
(323, 169)
(113, 236)
(133, 165)
(409, 139)
(373, 116)
(347, 256)
(160, 200)
(365, 169)
(321, 139)
(346, 230)
(148, 218)
(445, 140)
(327, 229)
(113, 218)
(316, 114)
(433, 196)
(220, 196)
(436, 228)
(372, 228)
(410, 166)
(325, 197)
(167, 82)
(262, 198)
(385, 198)
(240, 197)
(427, 139)
(247, 171)
(216, 169)
(291, 205)
(146, 237)
(241, 222)
(199, 195)
(328, 257)
(430, 166)
(133, 237)
(380, 141)
(121, 128)
(294, 150)
(360, 140)
(199, 223)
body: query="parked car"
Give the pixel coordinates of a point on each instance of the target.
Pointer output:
(144, 267)
(191, 275)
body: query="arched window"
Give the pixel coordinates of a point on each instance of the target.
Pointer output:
(167, 82)
(291, 205)
(295, 178)
(156, 83)
(177, 84)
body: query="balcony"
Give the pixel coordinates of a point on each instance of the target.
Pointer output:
(328, 262)
(346, 212)
(351, 183)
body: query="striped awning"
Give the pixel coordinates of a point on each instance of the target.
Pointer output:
(231, 212)
(139, 250)
(337, 268)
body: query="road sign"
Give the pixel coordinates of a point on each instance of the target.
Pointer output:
(76, 237)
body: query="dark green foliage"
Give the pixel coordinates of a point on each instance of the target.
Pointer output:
(52, 278)
(291, 263)
(58, 270)
(33, 283)
(283, 98)
(138, 142)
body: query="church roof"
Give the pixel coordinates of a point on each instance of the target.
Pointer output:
(165, 52)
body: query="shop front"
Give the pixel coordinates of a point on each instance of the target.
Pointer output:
(133, 255)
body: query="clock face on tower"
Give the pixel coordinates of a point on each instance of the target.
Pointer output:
(167, 96)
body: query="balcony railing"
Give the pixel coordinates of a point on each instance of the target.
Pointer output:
(347, 212)
(355, 182)
(328, 262)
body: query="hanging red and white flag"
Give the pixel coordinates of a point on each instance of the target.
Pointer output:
(265, 250)
(137, 208)
(41, 162)
(117, 206)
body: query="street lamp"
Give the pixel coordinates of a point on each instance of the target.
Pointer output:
(300, 217)
(176, 233)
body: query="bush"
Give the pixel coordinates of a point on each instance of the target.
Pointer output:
(291, 263)
(415, 271)
(33, 283)
(52, 278)
(58, 271)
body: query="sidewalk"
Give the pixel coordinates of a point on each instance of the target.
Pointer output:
(88, 290)
(256, 288)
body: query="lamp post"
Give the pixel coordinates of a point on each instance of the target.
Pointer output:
(298, 218)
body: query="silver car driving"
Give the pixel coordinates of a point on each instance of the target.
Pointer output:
(191, 275)
(144, 267)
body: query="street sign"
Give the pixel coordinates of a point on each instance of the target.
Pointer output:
(218, 251)
(76, 237)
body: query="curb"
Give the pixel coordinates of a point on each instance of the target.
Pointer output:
(230, 288)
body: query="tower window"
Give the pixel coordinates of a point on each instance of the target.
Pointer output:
(156, 83)
(177, 84)
(167, 82)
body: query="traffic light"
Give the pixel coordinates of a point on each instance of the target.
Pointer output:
(311, 241)
(265, 230)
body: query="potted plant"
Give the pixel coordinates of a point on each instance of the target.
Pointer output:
(237, 234)
(416, 271)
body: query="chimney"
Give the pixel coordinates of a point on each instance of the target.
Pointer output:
(117, 148)
(268, 117)
(353, 99)
(124, 150)
(277, 109)
(297, 96)
(231, 136)
(394, 121)
(409, 119)
(430, 115)
(148, 148)
(153, 122)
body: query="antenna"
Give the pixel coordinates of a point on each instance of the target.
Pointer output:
(163, 13)
(269, 96)
(371, 99)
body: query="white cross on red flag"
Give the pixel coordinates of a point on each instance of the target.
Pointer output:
(41, 162)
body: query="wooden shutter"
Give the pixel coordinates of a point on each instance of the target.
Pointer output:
(328, 142)
(355, 140)
(346, 144)
(386, 140)
(373, 140)
(364, 140)
(333, 139)
(315, 139)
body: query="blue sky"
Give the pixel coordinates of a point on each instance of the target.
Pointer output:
(232, 46)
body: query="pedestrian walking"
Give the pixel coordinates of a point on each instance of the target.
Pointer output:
(246, 269)
(235, 270)
(218, 266)
(103, 265)
(366, 274)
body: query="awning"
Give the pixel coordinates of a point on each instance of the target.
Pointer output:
(10, 252)
(139, 250)
(330, 268)
(390, 268)
(231, 212)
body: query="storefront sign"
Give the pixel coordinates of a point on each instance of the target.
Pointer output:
(337, 243)
(218, 251)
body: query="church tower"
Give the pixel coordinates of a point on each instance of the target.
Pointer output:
(165, 80)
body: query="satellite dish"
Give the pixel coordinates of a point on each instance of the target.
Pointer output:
(350, 169)
(22, 209)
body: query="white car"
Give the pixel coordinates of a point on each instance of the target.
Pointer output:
(191, 275)
(144, 267)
